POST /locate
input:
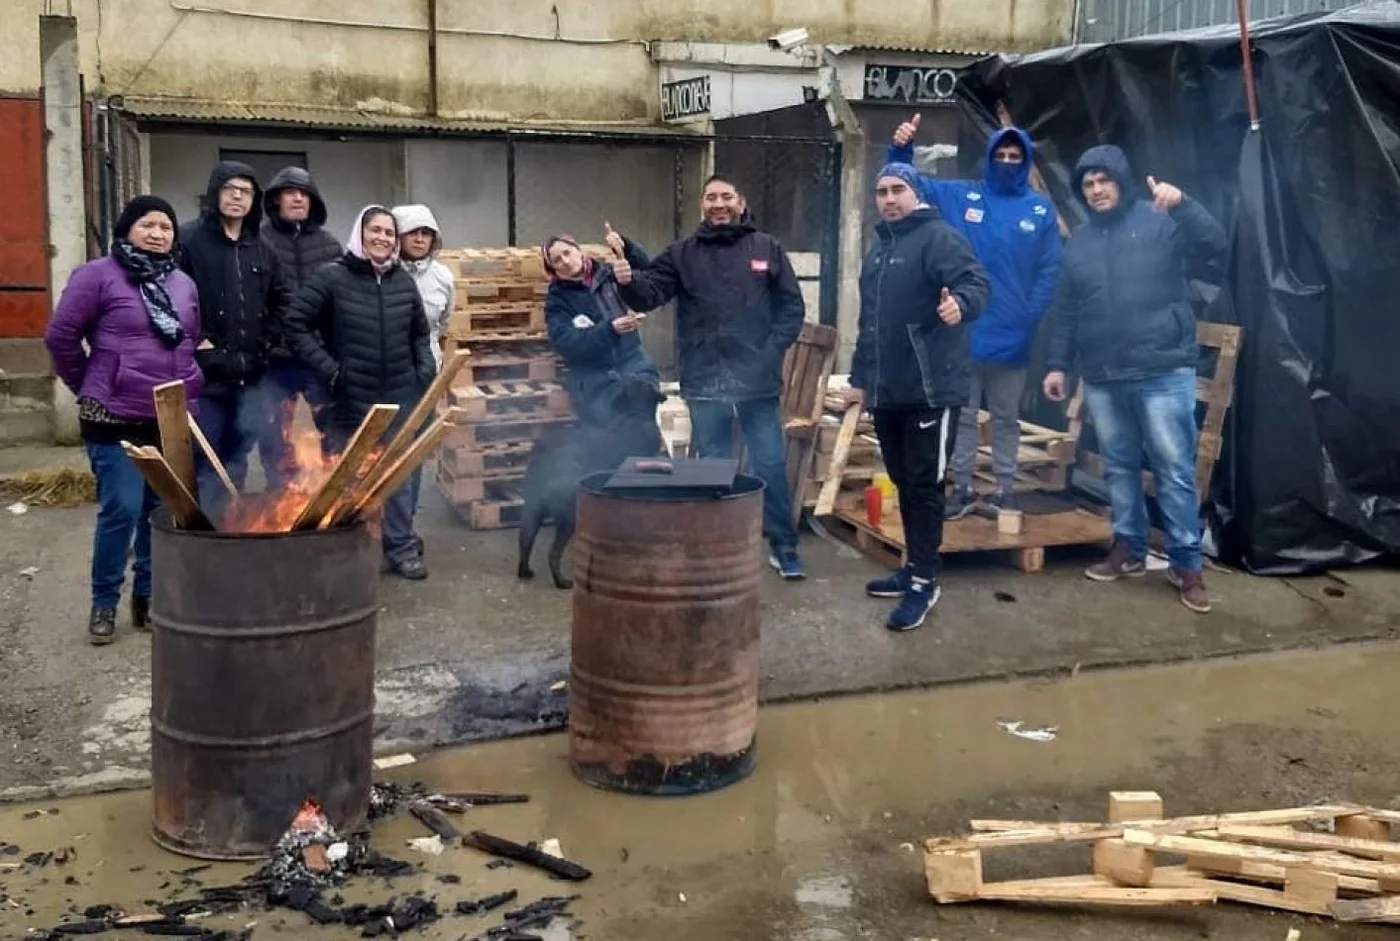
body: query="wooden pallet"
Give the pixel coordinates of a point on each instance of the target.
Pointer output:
(1220, 345)
(503, 514)
(471, 293)
(508, 363)
(476, 435)
(1044, 457)
(498, 401)
(498, 460)
(1026, 549)
(462, 489)
(468, 323)
(494, 340)
(1254, 858)
(520, 264)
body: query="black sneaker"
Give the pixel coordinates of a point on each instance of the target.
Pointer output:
(918, 600)
(102, 626)
(141, 612)
(893, 585)
(961, 502)
(412, 569)
(1000, 500)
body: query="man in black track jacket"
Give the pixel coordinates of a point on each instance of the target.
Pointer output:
(241, 296)
(738, 309)
(918, 286)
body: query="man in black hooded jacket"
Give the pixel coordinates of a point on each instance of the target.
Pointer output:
(911, 368)
(738, 308)
(294, 227)
(241, 296)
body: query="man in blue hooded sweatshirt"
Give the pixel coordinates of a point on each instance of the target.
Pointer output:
(1013, 231)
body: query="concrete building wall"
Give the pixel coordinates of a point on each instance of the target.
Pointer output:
(577, 60)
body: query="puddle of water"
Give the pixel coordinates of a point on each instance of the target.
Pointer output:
(816, 844)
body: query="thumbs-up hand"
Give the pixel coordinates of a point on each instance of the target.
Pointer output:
(904, 134)
(949, 310)
(614, 240)
(622, 270)
(1165, 197)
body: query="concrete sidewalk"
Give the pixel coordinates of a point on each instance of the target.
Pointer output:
(472, 653)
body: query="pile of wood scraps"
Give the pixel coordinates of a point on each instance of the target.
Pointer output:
(339, 491)
(1333, 860)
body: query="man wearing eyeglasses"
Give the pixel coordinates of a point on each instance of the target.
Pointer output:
(241, 296)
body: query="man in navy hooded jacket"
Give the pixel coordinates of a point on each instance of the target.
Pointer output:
(1013, 231)
(1124, 313)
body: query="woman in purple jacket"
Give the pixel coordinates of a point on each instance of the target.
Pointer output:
(140, 317)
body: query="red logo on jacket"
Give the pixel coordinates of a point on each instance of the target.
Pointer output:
(758, 265)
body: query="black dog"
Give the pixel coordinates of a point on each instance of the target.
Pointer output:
(562, 458)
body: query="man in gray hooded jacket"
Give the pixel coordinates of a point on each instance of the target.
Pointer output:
(294, 220)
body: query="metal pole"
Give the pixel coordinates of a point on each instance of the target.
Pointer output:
(1250, 100)
(433, 58)
(511, 225)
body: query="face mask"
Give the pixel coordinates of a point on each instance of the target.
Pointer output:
(1006, 176)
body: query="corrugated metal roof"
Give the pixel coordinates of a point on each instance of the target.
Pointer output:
(920, 50)
(199, 111)
(1111, 20)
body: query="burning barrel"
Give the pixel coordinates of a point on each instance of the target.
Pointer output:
(663, 697)
(262, 683)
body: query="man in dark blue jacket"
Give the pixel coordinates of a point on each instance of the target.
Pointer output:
(1124, 311)
(1013, 230)
(738, 309)
(918, 286)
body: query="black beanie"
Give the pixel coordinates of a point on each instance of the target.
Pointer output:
(137, 208)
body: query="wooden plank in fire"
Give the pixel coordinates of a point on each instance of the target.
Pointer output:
(212, 457)
(417, 452)
(175, 445)
(184, 508)
(377, 472)
(366, 437)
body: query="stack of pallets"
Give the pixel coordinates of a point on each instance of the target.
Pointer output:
(509, 391)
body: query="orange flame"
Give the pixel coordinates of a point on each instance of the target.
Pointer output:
(307, 470)
(308, 817)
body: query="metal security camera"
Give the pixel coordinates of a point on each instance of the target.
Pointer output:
(788, 39)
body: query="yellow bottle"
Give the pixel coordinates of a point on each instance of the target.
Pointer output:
(887, 490)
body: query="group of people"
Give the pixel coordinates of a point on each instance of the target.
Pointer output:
(255, 313)
(254, 306)
(952, 294)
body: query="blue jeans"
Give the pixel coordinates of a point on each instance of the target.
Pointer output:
(761, 420)
(1156, 416)
(284, 384)
(124, 505)
(232, 423)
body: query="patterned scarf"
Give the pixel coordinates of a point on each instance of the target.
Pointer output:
(148, 272)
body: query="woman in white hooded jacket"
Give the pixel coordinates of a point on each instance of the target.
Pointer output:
(420, 241)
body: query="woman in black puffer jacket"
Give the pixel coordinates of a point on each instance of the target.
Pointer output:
(358, 323)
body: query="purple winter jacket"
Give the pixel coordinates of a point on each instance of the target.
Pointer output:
(127, 360)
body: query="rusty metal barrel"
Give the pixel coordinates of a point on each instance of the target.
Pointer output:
(262, 683)
(663, 695)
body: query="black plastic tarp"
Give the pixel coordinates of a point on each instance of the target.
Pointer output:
(1310, 476)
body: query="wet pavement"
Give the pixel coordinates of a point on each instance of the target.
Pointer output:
(473, 653)
(819, 844)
